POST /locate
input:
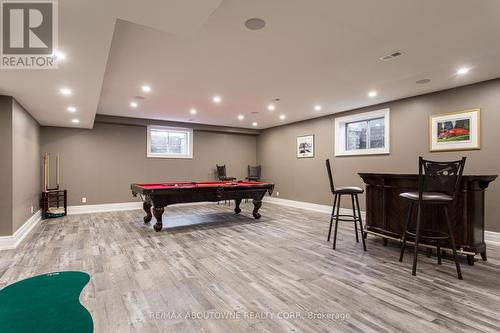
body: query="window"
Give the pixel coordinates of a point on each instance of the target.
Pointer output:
(362, 134)
(170, 142)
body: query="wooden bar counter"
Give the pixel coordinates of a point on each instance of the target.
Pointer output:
(386, 211)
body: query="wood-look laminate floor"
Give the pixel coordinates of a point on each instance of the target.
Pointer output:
(274, 274)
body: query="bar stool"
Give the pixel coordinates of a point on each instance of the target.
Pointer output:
(221, 174)
(254, 173)
(353, 191)
(438, 188)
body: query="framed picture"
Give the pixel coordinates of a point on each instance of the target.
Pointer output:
(305, 146)
(455, 131)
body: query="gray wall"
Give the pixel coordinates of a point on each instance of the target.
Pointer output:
(19, 164)
(5, 166)
(101, 163)
(306, 179)
(26, 159)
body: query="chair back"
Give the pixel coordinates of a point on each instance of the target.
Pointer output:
(443, 177)
(221, 171)
(330, 177)
(254, 172)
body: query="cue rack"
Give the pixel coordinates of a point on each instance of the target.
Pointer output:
(54, 199)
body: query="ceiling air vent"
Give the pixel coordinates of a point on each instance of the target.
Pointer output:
(391, 56)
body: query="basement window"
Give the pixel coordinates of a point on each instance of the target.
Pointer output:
(170, 142)
(362, 134)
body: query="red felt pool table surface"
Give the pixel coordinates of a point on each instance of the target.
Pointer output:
(157, 196)
(170, 185)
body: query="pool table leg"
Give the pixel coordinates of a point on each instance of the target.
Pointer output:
(237, 209)
(146, 205)
(158, 213)
(256, 205)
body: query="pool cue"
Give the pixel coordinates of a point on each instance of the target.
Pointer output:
(45, 172)
(48, 171)
(57, 170)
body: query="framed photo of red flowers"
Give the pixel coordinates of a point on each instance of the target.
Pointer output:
(455, 131)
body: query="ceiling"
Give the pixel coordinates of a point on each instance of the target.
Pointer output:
(316, 52)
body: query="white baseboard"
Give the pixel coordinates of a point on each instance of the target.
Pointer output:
(11, 242)
(490, 237)
(101, 208)
(307, 206)
(114, 207)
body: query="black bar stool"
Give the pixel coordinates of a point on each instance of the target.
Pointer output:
(438, 187)
(221, 174)
(254, 173)
(353, 191)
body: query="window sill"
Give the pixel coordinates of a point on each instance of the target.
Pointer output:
(363, 152)
(170, 157)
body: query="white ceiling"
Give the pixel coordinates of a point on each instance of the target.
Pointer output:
(85, 33)
(310, 52)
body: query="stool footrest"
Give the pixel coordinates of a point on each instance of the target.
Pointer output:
(429, 234)
(351, 218)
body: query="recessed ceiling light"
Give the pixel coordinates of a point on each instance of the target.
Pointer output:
(75, 121)
(65, 91)
(71, 109)
(271, 107)
(372, 93)
(217, 99)
(146, 88)
(254, 124)
(463, 70)
(241, 117)
(193, 111)
(282, 117)
(134, 104)
(255, 23)
(59, 55)
(317, 108)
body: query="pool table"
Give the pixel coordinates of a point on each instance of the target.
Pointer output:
(158, 196)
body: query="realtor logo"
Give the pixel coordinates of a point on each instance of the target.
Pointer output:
(29, 34)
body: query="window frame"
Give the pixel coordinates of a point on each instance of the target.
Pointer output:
(188, 131)
(341, 133)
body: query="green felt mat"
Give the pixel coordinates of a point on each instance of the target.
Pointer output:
(45, 303)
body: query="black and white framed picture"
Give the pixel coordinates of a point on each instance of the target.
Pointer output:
(305, 146)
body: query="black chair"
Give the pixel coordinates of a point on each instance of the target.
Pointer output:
(254, 173)
(353, 191)
(221, 173)
(438, 188)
